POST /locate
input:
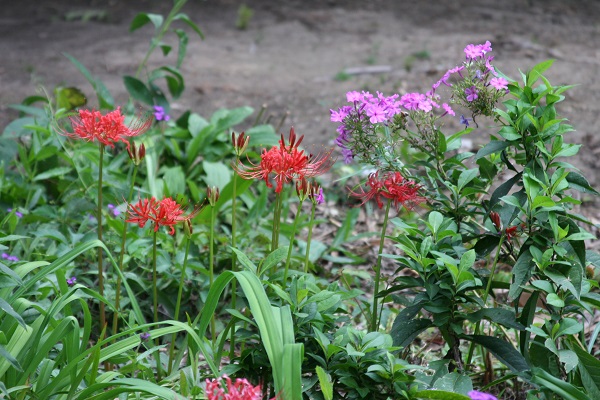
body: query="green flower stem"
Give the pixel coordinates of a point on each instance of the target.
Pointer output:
(276, 221)
(375, 312)
(488, 288)
(290, 248)
(99, 218)
(178, 303)
(211, 270)
(155, 305)
(309, 238)
(233, 261)
(164, 28)
(121, 257)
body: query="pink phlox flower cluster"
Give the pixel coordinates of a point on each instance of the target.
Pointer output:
(474, 51)
(241, 389)
(424, 102)
(377, 109)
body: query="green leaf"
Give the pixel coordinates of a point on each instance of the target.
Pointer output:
(500, 316)
(217, 174)
(52, 173)
(578, 182)
(494, 146)
(521, 273)
(138, 90)
(467, 176)
(262, 135)
(509, 133)
(503, 351)
(404, 332)
(183, 17)
(557, 386)
(589, 367)
(143, 18)
(325, 383)
(440, 394)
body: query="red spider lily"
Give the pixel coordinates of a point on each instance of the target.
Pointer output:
(108, 129)
(241, 389)
(166, 212)
(287, 163)
(391, 186)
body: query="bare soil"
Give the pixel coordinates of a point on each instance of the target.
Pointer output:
(295, 56)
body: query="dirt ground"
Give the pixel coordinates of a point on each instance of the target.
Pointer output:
(295, 55)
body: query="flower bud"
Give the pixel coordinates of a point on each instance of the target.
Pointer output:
(240, 143)
(212, 193)
(137, 154)
(495, 217)
(188, 228)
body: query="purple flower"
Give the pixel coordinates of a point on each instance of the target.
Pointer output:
(71, 281)
(499, 83)
(348, 156)
(160, 115)
(471, 93)
(17, 213)
(115, 211)
(486, 47)
(464, 121)
(476, 395)
(320, 197)
(8, 257)
(144, 336)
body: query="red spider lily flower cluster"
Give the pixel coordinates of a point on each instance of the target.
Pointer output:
(241, 389)
(107, 129)
(166, 212)
(392, 186)
(286, 163)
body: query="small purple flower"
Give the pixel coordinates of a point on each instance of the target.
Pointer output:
(71, 281)
(473, 51)
(499, 83)
(348, 156)
(476, 395)
(8, 257)
(115, 211)
(320, 197)
(464, 121)
(160, 115)
(471, 93)
(144, 336)
(17, 213)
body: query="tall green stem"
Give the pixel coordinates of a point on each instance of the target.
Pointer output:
(99, 218)
(233, 261)
(158, 38)
(211, 271)
(375, 312)
(121, 257)
(309, 238)
(276, 222)
(155, 304)
(292, 237)
(178, 303)
(488, 288)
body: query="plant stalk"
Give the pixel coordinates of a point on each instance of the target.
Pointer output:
(309, 238)
(375, 312)
(178, 304)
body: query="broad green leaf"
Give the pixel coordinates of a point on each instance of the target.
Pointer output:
(138, 90)
(440, 395)
(521, 273)
(54, 172)
(557, 386)
(404, 332)
(589, 367)
(503, 351)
